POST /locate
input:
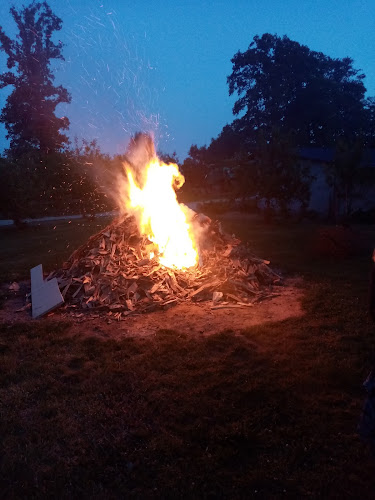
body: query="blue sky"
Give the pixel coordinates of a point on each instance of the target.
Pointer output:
(161, 65)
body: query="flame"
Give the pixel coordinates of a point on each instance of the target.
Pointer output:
(161, 217)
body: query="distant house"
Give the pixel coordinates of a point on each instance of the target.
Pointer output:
(225, 177)
(322, 195)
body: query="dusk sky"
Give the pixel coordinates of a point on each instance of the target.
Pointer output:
(162, 65)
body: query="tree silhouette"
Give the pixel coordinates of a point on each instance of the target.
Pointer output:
(281, 83)
(29, 112)
(277, 176)
(345, 175)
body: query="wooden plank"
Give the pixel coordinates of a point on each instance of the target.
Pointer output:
(210, 284)
(45, 298)
(37, 281)
(231, 306)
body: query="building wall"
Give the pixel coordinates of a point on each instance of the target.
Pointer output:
(321, 192)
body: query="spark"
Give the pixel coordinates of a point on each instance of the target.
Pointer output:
(121, 95)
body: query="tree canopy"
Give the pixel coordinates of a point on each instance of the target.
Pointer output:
(277, 175)
(29, 112)
(281, 83)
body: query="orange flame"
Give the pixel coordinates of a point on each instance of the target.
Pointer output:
(161, 217)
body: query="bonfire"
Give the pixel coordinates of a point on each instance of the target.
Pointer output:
(158, 252)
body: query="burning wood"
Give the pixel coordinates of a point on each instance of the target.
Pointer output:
(114, 273)
(160, 253)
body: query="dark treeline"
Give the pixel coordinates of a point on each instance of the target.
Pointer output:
(42, 173)
(288, 97)
(58, 183)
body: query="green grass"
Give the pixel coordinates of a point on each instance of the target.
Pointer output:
(291, 245)
(288, 246)
(47, 243)
(269, 412)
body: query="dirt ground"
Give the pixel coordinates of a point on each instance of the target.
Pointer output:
(189, 318)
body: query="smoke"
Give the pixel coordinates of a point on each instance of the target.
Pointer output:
(140, 152)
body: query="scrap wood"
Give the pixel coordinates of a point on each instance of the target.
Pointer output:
(231, 306)
(14, 287)
(63, 293)
(113, 272)
(23, 308)
(210, 284)
(216, 297)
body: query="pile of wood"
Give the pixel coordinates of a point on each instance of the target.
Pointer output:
(113, 273)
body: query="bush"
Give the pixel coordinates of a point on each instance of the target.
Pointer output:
(37, 185)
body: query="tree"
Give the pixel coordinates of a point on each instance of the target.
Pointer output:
(167, 158)
(276, 174)
(229, 143)
(282, 83)
(345, 175)
(45, 191)
(370, 133)
(29, 112)
(91, 177)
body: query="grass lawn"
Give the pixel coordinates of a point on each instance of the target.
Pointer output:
(47, 243)
(269, 412)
